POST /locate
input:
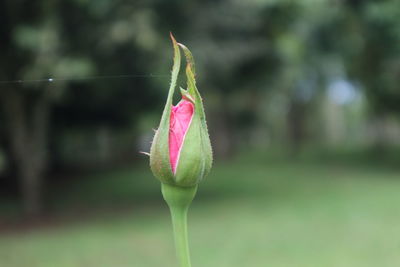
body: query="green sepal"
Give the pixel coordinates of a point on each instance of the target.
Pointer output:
(159, 151)
(185, 95)
(195, 159)
(191, 166)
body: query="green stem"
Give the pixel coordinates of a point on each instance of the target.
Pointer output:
(178, 200)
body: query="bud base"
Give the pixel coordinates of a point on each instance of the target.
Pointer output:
(179, 200)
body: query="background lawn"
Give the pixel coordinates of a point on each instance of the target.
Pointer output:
(247, 213)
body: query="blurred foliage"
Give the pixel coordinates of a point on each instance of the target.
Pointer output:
(288, 73)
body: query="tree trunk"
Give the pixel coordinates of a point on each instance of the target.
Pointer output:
(296, 121)
(27, 134)
(221, 134)
(31, 189)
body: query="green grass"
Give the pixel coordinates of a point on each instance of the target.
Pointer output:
(247, 213)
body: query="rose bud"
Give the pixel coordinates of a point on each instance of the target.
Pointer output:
(181, 152)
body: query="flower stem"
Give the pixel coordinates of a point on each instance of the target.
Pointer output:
(178, 200)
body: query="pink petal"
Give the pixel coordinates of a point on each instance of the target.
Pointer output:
(181, 116)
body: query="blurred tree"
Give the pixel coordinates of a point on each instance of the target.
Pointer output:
(366, 36)
(24, 30)
(377, 61)
(67, 39)
(118, 38)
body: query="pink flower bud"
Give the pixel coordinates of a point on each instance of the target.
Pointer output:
(181, 153)
(181, 116)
